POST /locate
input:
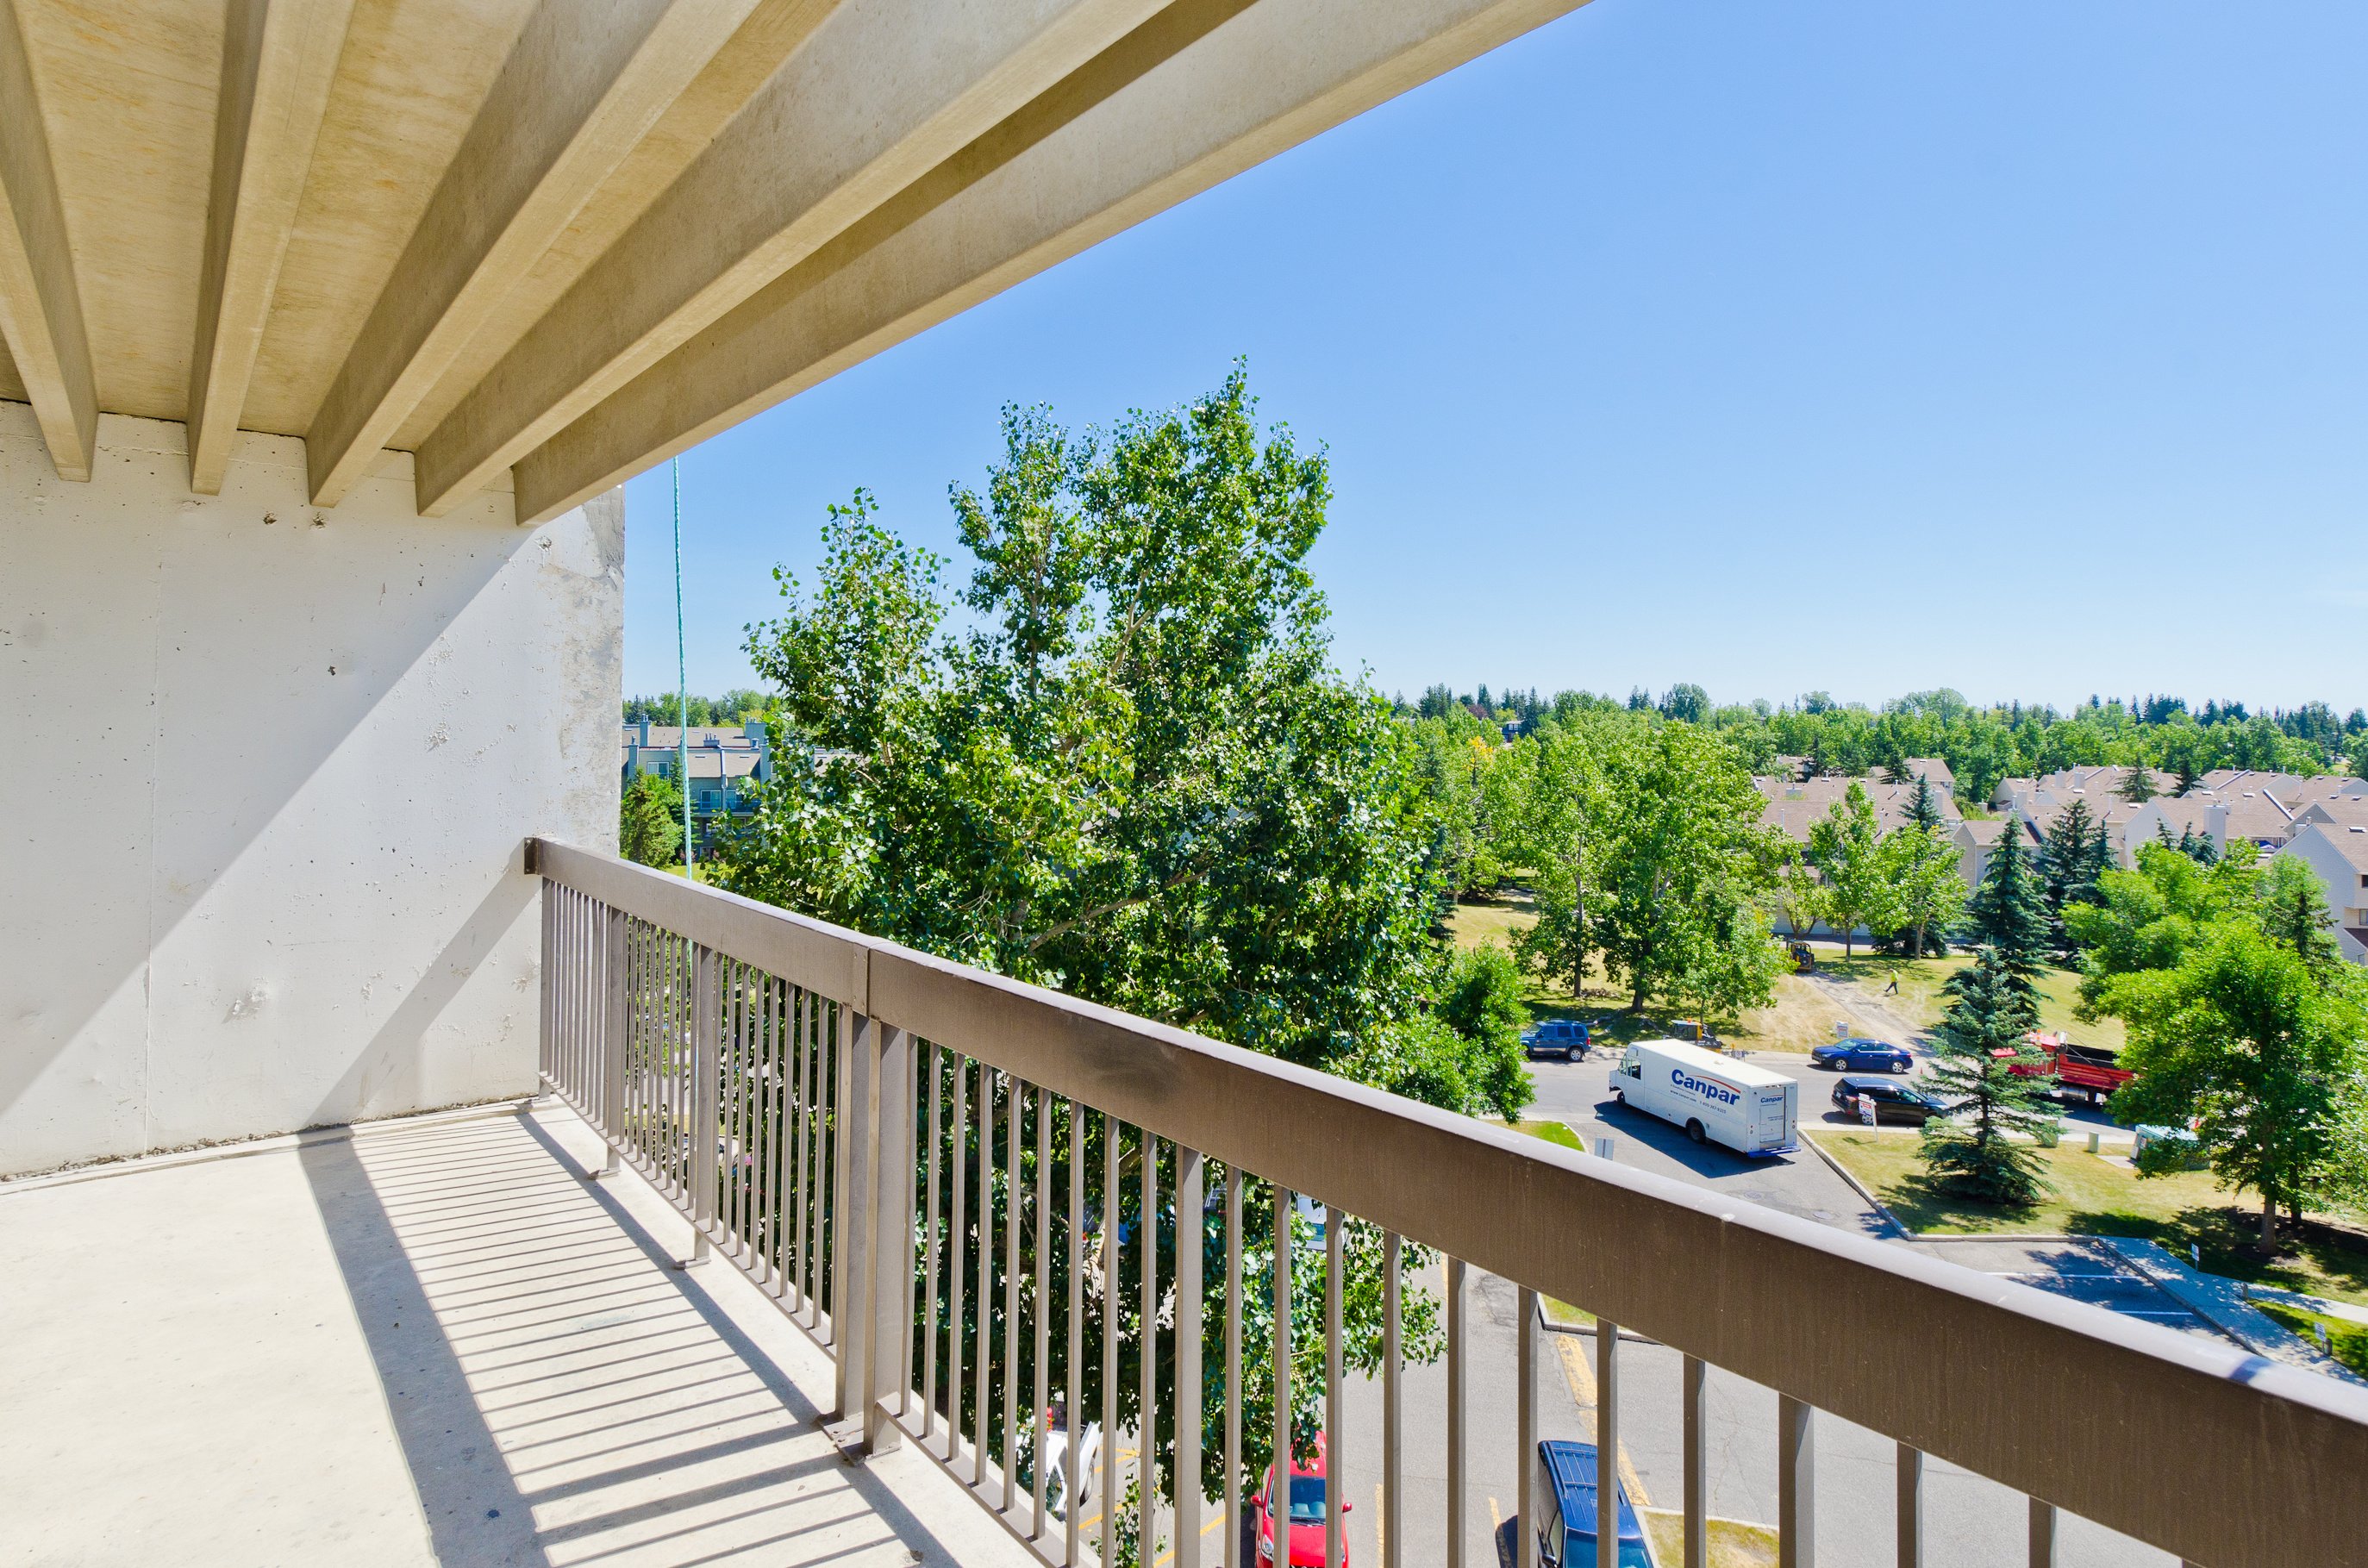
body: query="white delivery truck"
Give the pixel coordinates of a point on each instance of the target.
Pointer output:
(1713, 1098)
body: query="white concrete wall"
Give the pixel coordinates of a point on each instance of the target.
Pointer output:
(272, 774)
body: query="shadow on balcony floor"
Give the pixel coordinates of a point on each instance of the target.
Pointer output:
(423, 1343)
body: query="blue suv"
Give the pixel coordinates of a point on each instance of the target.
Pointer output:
(1556, 1039)
(1860, 1056)
(1564, 1495)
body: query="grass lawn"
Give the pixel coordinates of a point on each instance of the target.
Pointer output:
(1801, 1017)
(1732, 1543)
(2347, 1342)
(1921, 998)
(1552, 1132)
(2096, 1197)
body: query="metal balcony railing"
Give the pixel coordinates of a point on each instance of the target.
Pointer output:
(876, 1136)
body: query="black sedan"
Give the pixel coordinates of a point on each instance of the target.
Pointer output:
(1894, 1101)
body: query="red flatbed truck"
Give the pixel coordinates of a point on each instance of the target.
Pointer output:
(2078, 1069)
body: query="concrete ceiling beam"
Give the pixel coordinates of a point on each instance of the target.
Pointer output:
(1199, 94)
(582, 86)
(40, 304)
(278, 60)
(882, 93)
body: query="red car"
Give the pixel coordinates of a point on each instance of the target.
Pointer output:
(1306, 1525)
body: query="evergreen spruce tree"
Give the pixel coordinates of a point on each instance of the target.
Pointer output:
(1981, 1040)
(2070, 860)
(2137, 785)
(1923, 809)
(2009, 913)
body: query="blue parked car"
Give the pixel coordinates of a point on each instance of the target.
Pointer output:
(1563, 1492)
(1860, 1056)
(1556, 1039)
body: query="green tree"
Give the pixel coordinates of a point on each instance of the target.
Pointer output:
(2137, 785)
(1558, 827)
(1136, 777)
(1924, 805)
(2071, 857)
(1845, 847)
(1972, 1151)
(1481, 1001)
(1682, 863)
(2244, 1041)
(1920, 892)
(649, 821)
(2294, 913)
(2009, 914)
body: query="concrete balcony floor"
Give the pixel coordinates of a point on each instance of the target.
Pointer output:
(420, 1341)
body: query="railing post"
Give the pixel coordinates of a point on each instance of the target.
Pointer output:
(1795, 1485)
(888, 1105)
(1697, 1463)
(1607, 1443)
(853, 1193)
(2043, 1534)
(546, 1052)
(1910, 1512)
(618, 1017)
(1525, 1428)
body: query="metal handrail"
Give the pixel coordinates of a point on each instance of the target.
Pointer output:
(2220, 1456)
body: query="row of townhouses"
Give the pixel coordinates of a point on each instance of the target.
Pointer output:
(2320, 821)
(726, 767)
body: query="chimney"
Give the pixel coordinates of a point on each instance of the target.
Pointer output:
(645, 729)
(755, 730)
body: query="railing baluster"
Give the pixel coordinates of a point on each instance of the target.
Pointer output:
(1014, 1112)
(890, 1341)
(1795, 1485)
(1525, 1426)
(1110, 1126)
(1606, 1444)
(1335, 1464)
(929, 1269)
(838, 1203)
(1039, 1416)
(1191, 1236)
(616, 1015)
(1392, 1524)
(803, 1223)
(705, 1068)
(1278, 1497)
(735, 1090)
(1910, 1466)
(1073, 1414)
(981, 1431)
(1147, 1243)
(2043, 1534)
(1695, 1436)
(1234, 1181)
(1455, 1413)
(958, 1244)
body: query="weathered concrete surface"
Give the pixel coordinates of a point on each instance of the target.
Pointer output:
(263, 838)
(429, 1343)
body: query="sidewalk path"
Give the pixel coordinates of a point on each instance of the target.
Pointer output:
(2222, 1303)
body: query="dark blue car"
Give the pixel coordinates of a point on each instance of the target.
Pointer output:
(1563, 1492)
(1860, 1056)
(1556, 1039)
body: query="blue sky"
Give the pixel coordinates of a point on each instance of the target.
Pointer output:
(1854, 345)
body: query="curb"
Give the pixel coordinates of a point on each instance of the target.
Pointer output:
(1587, 1329)
(1871, 1201)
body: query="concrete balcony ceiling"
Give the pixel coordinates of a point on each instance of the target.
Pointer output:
(569, 238)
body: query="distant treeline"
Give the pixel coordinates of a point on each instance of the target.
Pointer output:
(734, 707)
(1981, 746)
